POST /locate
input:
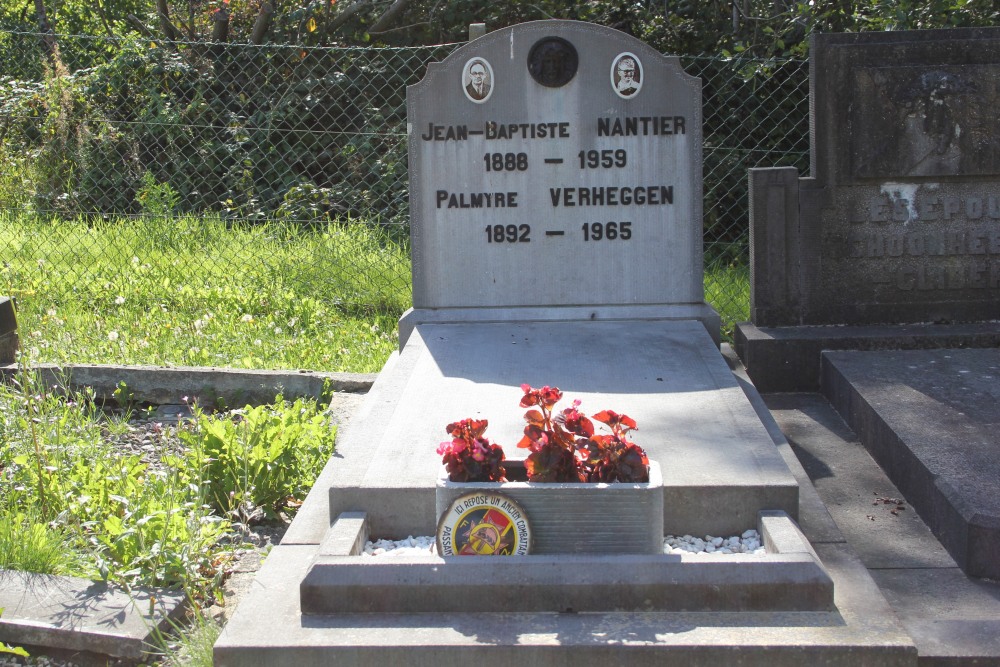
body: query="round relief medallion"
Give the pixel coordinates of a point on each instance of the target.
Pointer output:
(553, 62)
(484, 524)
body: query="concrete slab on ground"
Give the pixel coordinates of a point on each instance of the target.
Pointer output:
(814, 519)
(83, 615)
(669, 376)
(953, 619)
(854, 488)
(862, 631)
(789, 577)
(210, 386)
(787, 358)
(931, 419)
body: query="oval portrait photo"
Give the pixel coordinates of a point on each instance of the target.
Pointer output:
(626, 75)
(477, 80)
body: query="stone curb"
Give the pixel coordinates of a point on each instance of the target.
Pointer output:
(211, 387)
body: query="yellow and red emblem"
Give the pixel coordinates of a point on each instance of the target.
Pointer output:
(484, 524)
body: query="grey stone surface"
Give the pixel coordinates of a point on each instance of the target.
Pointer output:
(567, 583)
(560, 197)
(82, 615)
(8, 331)
(951, 617)
(693, 418)
(787, 358)
(861, 632)
(898, 221)
(814, 520)
(347, 536)
(790, 578)
(854, 488)
(930, 419)
(210, 386)
(567, 518)
(673, 312)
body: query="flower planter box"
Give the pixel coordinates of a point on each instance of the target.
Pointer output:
(619, 518)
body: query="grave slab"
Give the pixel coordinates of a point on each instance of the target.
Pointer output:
(210, 386)
(860, 632)
(930, 419)
(855, 489)
(952, 618)
(693, 418)
(787, 358)
(83, 615)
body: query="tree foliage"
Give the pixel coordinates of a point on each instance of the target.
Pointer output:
(761, 27)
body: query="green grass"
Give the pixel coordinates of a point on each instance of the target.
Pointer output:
(27, 543)
(192, 646)
(192, 291)
(727, 289)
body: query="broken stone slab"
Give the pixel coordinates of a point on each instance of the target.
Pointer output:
(73, 614)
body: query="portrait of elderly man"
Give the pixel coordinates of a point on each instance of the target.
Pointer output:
(627, 75)
(479, 84)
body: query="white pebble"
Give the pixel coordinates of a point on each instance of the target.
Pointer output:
(392, 548)
(749, 543)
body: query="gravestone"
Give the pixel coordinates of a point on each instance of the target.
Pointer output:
(555, 195)
(894, 238)
(868, 273)
(556, 179)
(8, 331)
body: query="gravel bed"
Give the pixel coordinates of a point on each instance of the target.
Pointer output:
(747, 543)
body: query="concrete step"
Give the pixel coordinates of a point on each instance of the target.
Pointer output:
(268, 629)
(952, 618)
(930, 418)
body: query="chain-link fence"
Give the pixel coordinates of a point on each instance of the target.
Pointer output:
(141, 129)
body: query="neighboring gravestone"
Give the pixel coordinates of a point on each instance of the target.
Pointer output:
(555, 174)
(899, 223)
(8, 331)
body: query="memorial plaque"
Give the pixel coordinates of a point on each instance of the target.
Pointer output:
(555, 163)
(899, 222)
(926, 121)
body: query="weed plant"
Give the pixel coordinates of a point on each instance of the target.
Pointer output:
(259, 460)
(72, 502)
(192, 645)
